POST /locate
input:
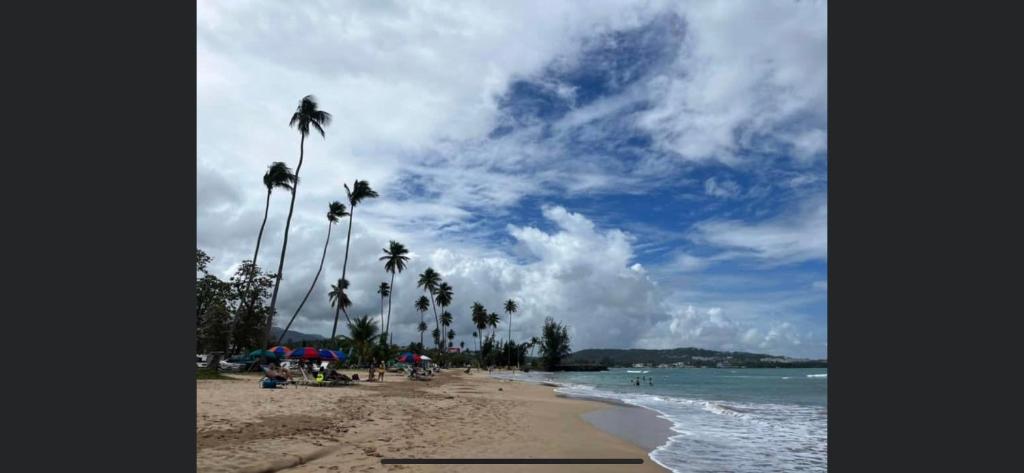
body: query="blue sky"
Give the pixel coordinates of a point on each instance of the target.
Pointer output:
(654, 174)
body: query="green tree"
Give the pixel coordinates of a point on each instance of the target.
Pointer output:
(394, 261)
(554, 344)
(479, 318)
(306, 115)
(362, 332)
(335, 212)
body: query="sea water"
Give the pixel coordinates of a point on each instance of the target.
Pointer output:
(728, 419)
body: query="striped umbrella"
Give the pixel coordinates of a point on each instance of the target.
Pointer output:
(331, 355)
(281, 351)
(305, 353)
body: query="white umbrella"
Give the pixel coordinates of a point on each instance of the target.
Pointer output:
(425, 357)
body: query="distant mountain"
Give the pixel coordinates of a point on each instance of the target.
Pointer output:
(695, 357)
(292, 337)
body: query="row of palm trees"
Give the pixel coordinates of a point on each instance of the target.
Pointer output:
(438, 293)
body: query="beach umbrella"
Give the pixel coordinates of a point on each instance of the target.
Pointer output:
(305, 353)
(281, 351)
(262, 354)
(424, 357)
(409, 357)
(331, 355)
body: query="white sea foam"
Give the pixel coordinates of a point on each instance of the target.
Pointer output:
(825, 375)
(714, 435)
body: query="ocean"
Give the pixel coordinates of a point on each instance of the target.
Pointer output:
(727, 419)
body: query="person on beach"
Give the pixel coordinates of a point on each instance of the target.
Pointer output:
(382, 369)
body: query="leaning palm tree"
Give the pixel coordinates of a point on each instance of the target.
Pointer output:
(306, 115)
(279, 176)
(394, 261)
(429, 281)
(510, 308)
(335, 211)
(384, 290)
(360, 190)
(340, 301)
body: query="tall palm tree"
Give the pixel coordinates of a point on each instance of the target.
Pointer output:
(422, 304)
(492, 321)
(335, 211)
(462, 345)
(429, 281)
(422, 328)
(451, 337)
(510, 308)
(339, 300)
(533, 342)
(361, 334)
(394, 261)
(384, 290)
(444, 297)
(446, 320)
(360, 190)
(479, 317)
(306, 115)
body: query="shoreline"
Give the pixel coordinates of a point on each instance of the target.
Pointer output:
(240, 426)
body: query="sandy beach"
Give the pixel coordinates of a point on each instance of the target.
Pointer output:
(241, 427)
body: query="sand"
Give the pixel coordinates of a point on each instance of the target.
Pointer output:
(241, 427)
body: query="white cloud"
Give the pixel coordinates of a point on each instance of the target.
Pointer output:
(801, 236)
(747, 71)
(725, 189)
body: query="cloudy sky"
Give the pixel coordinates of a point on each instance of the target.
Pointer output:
(651, 173)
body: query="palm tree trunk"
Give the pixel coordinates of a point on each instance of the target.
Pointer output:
(311, 286)
(391, 294)
(510, 339)
(437, 325)
(284, 245)
(339, 309)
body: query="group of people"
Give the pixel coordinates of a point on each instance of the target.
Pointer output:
(639, 379)
(376, 371)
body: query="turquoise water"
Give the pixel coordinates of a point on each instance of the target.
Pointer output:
(742, 420)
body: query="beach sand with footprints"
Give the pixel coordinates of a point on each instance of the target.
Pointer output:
(241, 427)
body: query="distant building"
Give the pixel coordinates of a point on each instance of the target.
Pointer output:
(454, 350)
